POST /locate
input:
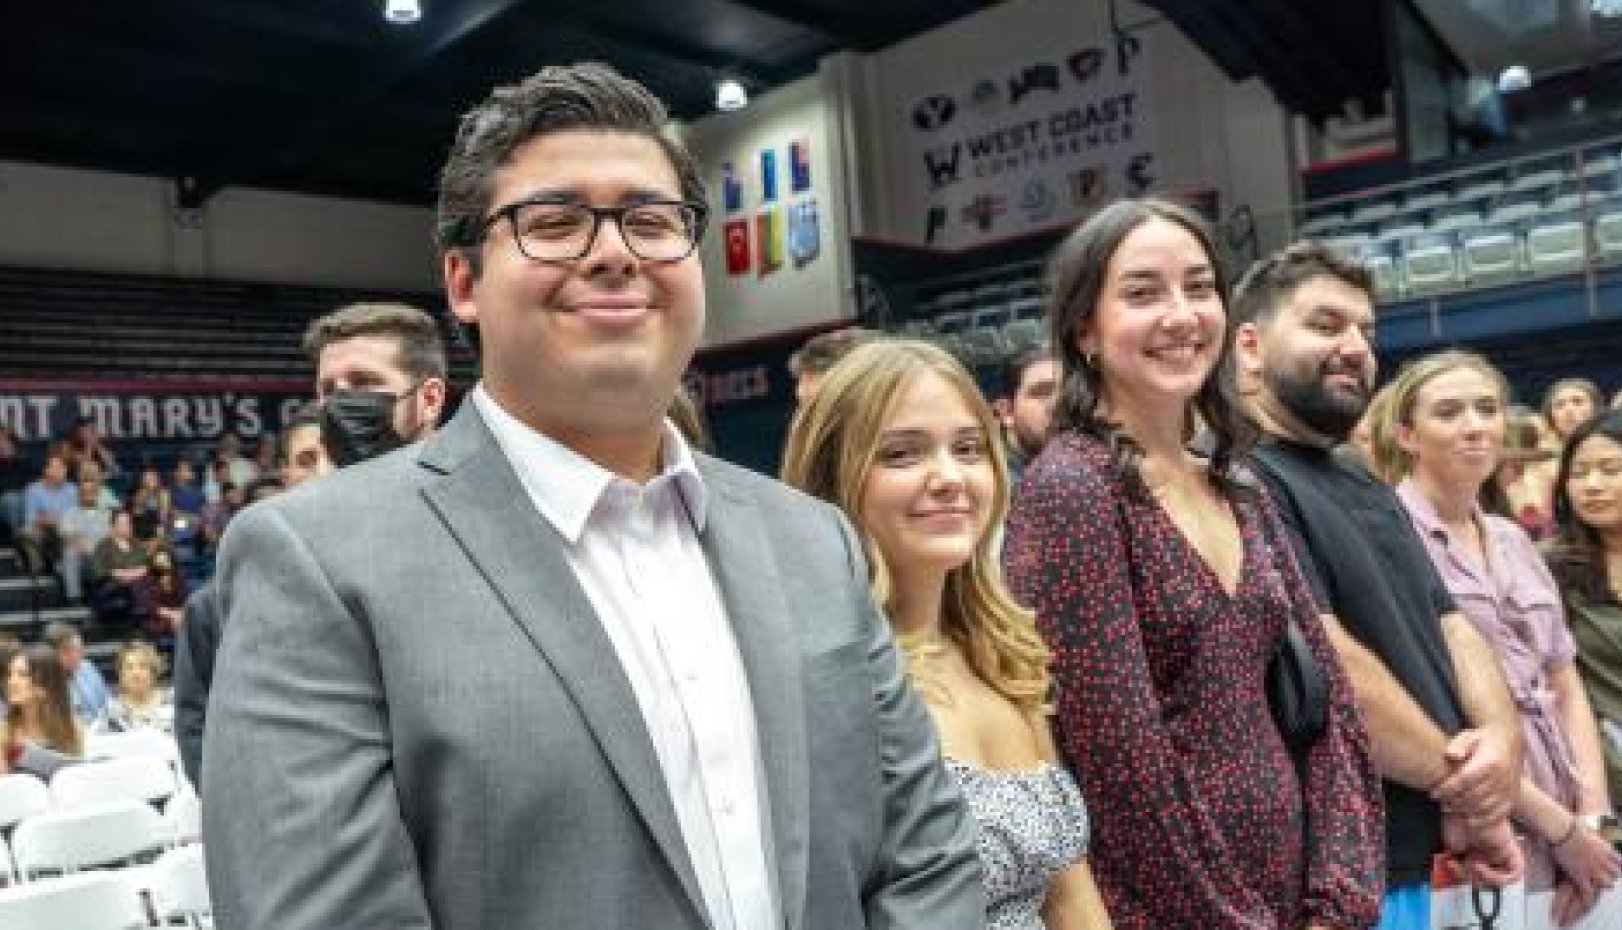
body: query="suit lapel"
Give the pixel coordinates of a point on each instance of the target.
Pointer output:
(740, 555)
(487, 510)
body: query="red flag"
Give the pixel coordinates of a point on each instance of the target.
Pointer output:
(737, 235)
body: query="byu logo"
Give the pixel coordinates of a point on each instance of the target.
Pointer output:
(933, 112)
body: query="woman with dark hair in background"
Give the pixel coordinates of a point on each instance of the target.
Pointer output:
(1586, 558)
(899, 437)
(1571, 402)
(1447, 420)
(1164, 585)
(39, 710)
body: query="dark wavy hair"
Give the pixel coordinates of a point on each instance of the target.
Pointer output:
(1077, 275)
(1576, 555)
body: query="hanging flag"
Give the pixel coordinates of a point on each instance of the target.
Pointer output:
(768, 175)
(731, 187)
(769, 230)
(804, 231)
(737, 240)
(799, 161)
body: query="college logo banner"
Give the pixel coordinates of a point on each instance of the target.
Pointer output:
(1029, 146)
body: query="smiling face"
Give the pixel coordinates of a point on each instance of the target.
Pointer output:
(1594, 485)
(598, 344)
(1313, 359)
(1156, 330)
(1455, 432)
(931, 488)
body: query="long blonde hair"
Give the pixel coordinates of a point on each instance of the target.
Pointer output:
(831, 448)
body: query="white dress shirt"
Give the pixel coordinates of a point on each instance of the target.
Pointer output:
(635, 550)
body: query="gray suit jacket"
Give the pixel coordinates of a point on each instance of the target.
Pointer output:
(417, 720)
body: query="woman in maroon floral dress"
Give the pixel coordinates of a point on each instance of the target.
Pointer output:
(1163, 582)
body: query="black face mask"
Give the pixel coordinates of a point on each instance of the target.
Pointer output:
(358, 425)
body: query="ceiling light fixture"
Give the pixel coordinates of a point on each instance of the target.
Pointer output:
(402, 12)
(730, 94)
(1514, 79)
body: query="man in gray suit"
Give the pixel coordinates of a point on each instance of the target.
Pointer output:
(550, 668)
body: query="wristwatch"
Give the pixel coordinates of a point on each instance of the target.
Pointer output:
(1605, 826)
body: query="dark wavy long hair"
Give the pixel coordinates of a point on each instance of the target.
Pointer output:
(1576, 555)
(1077, 275)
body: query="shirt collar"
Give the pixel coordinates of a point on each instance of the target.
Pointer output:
(566, 485)
(1424, 512)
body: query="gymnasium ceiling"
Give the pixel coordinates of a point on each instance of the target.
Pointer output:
(325, 97)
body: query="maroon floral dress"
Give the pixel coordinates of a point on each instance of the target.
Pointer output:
(1200, 818)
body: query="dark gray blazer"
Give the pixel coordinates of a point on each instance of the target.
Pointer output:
(417, 720)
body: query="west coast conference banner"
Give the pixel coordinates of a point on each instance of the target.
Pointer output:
(141, 416)
(1030, 146)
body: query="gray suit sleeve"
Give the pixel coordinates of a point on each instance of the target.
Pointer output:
(302, 824)
(928, 876)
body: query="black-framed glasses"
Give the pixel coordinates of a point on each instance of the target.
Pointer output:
(560, 231)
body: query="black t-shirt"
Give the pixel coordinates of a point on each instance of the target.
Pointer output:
(1368, 567)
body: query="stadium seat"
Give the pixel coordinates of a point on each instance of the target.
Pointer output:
(1429, 265)
(1384, 271)
(982, 344)
(150, 743)
(1513, 211)
(91, 901)
(1600, 165)
(21, 796)
(1537, 181)
(1608, 233)
(1401, 234)
(1024, 334)
(1556, 247)
(1373, 211)
(68, 841)
(1491, 254)
(1316, 226)
(1426, 200)
(1449, 222)
(178, 886)
(1478, 191)
(137, 778)
(952, 323)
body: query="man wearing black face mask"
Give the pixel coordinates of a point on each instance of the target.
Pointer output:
(380, 384)
(379, 376)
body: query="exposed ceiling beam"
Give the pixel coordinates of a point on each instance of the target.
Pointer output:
(847, 30)
(664, 44)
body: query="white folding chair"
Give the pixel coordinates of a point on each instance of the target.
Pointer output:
(89, 901)
(143, 742)
(21, 796)
(136, 778)
(71, 840)
(178, 885)
(183, 816)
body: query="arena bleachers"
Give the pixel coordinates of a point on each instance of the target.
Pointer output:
(1526, 219)
(75, 323)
